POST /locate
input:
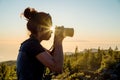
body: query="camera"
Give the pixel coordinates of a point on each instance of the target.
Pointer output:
(66, 31)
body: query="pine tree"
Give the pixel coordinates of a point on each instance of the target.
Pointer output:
(76, 52)
(85, 58)
(4, 72)
(116, 48)
(98, 57)
(91, 61)
(110, 51)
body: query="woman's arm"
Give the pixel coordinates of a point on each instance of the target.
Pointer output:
(54, 61)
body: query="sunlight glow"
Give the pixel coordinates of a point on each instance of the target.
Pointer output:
(53, 29)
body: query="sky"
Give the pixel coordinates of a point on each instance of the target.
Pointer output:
(95, 22)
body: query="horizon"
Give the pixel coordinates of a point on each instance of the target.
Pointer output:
(95, 22)
(12, 49)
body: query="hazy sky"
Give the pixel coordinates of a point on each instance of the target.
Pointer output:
(92, 20)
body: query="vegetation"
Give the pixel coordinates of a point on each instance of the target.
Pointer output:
(8, 70)
(86, 65)
(91, 64)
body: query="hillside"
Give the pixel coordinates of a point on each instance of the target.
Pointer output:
(9, 63)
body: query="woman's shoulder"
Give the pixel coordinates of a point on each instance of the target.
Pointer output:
(29, 41)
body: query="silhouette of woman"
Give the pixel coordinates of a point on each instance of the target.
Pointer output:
(33, 57)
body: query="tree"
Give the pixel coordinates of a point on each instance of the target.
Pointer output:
(98, 58)
(4, 72)
(110, 51)
(12, 74)
(76, 52)
(116, 48)
(85, 58)
(91, 61)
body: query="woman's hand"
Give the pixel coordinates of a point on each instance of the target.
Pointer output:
(59, 34)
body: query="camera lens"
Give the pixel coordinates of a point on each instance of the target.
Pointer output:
(69, 32)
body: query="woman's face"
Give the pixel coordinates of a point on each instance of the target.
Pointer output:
(45, 31)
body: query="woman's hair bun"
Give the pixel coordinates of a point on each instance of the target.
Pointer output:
(29, 13)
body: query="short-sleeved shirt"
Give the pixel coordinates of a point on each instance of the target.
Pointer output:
(28, 67)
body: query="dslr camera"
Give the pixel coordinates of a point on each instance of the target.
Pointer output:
(67, 31)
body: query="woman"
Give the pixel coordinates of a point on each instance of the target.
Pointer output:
(33, 57)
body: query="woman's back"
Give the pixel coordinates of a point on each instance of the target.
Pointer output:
(28, 67)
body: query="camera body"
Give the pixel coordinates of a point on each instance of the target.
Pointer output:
(66, 31)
